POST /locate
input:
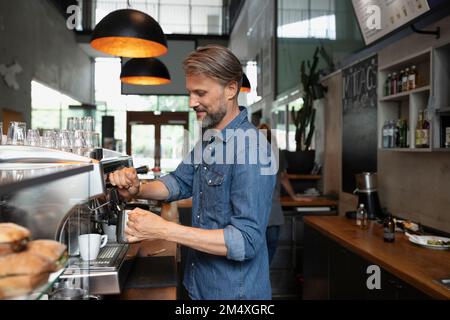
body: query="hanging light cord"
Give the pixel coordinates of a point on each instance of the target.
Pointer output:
(128, 4)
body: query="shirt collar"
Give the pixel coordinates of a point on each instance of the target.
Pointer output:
(234, 124)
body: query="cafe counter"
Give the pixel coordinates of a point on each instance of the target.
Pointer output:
(338, 255)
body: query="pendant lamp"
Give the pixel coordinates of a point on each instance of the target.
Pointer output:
(129, 33)
(245, 87)
(145, 71)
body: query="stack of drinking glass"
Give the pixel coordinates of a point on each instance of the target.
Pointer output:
(79, 137)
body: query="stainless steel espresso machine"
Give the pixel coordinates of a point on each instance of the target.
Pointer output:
(97, 209)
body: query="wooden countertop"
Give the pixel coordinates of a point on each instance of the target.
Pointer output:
(286, 201)
(415, 265)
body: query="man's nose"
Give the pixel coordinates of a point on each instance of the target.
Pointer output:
(193, 102)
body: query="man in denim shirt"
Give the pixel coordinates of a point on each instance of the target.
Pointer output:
(230, 176)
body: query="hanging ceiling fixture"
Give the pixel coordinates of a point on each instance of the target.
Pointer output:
(129, 33)
(145, 71)
(245, 87)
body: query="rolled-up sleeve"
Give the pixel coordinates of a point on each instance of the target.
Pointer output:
(179, 183)
(251, 200)
(172, 185)
(234, 241)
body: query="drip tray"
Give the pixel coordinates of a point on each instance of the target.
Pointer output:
(109, 259)
(106, 274)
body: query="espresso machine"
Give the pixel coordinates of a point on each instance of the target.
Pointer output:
(366, 189)
(103, 214)
(69, 206)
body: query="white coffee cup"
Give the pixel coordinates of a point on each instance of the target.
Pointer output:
(90, 245)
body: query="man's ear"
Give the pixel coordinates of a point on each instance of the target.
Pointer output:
(231, 90)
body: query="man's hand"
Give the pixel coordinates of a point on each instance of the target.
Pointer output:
(145, 225)
(127, 182)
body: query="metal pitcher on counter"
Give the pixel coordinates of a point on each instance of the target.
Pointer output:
(366, 189)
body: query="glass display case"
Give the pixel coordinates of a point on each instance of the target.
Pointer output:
(63, 199)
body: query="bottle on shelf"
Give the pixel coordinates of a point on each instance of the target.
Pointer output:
(389, 229)
(396, 137)
(361, 217)
(422, 131)
(400, 81)
(387, 85)
(447, 137)
(405, 81)
(385, 136)
(403, 132)
(426, 131)
(391, 134)
(394, 80)
(412, 78)
(419, 132)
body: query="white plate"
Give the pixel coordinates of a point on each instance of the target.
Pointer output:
(423, 241)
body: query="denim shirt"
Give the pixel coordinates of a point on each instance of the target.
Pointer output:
(234, 197)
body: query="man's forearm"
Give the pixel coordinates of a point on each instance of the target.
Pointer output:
(153, 190)
(209, 241)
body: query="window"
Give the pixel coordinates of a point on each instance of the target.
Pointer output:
(296, 105)
(49, 107)
(279, 117)
(251, 70)
(110, 101)
(307, 19)
(284, 125)
(174, 16)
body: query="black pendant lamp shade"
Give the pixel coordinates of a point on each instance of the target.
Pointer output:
(129, 33)
(245, 87)
(145, 71)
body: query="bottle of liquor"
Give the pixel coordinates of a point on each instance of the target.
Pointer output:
(419, 131)
(403, 133)
(361, 217)
(391, 134)
(385, 137)
(394, 80)
(426, 131)
(405, 80)
(412, 78)
(387, 86)
(400, 81)
(447, 137)
(396, 129)
(422, 131)
(389, 229)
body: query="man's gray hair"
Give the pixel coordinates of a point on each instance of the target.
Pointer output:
(216, 62)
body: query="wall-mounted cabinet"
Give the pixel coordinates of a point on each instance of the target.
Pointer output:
(427, 93)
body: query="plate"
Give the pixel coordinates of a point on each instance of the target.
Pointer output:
(423, 241)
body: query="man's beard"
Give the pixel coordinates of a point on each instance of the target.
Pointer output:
(212, 119)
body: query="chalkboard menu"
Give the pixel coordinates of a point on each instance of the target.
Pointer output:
(359, 121)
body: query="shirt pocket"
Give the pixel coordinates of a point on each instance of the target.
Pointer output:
(213, 198)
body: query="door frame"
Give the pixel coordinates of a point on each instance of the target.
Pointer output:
(158, 120)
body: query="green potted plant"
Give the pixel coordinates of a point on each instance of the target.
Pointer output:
(312, 90)
(302, 161)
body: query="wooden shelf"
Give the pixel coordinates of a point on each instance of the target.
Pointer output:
(416, 59)
(407, 149)
(441, 150)
(304, 177)
(404, 95)
(443, 110)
